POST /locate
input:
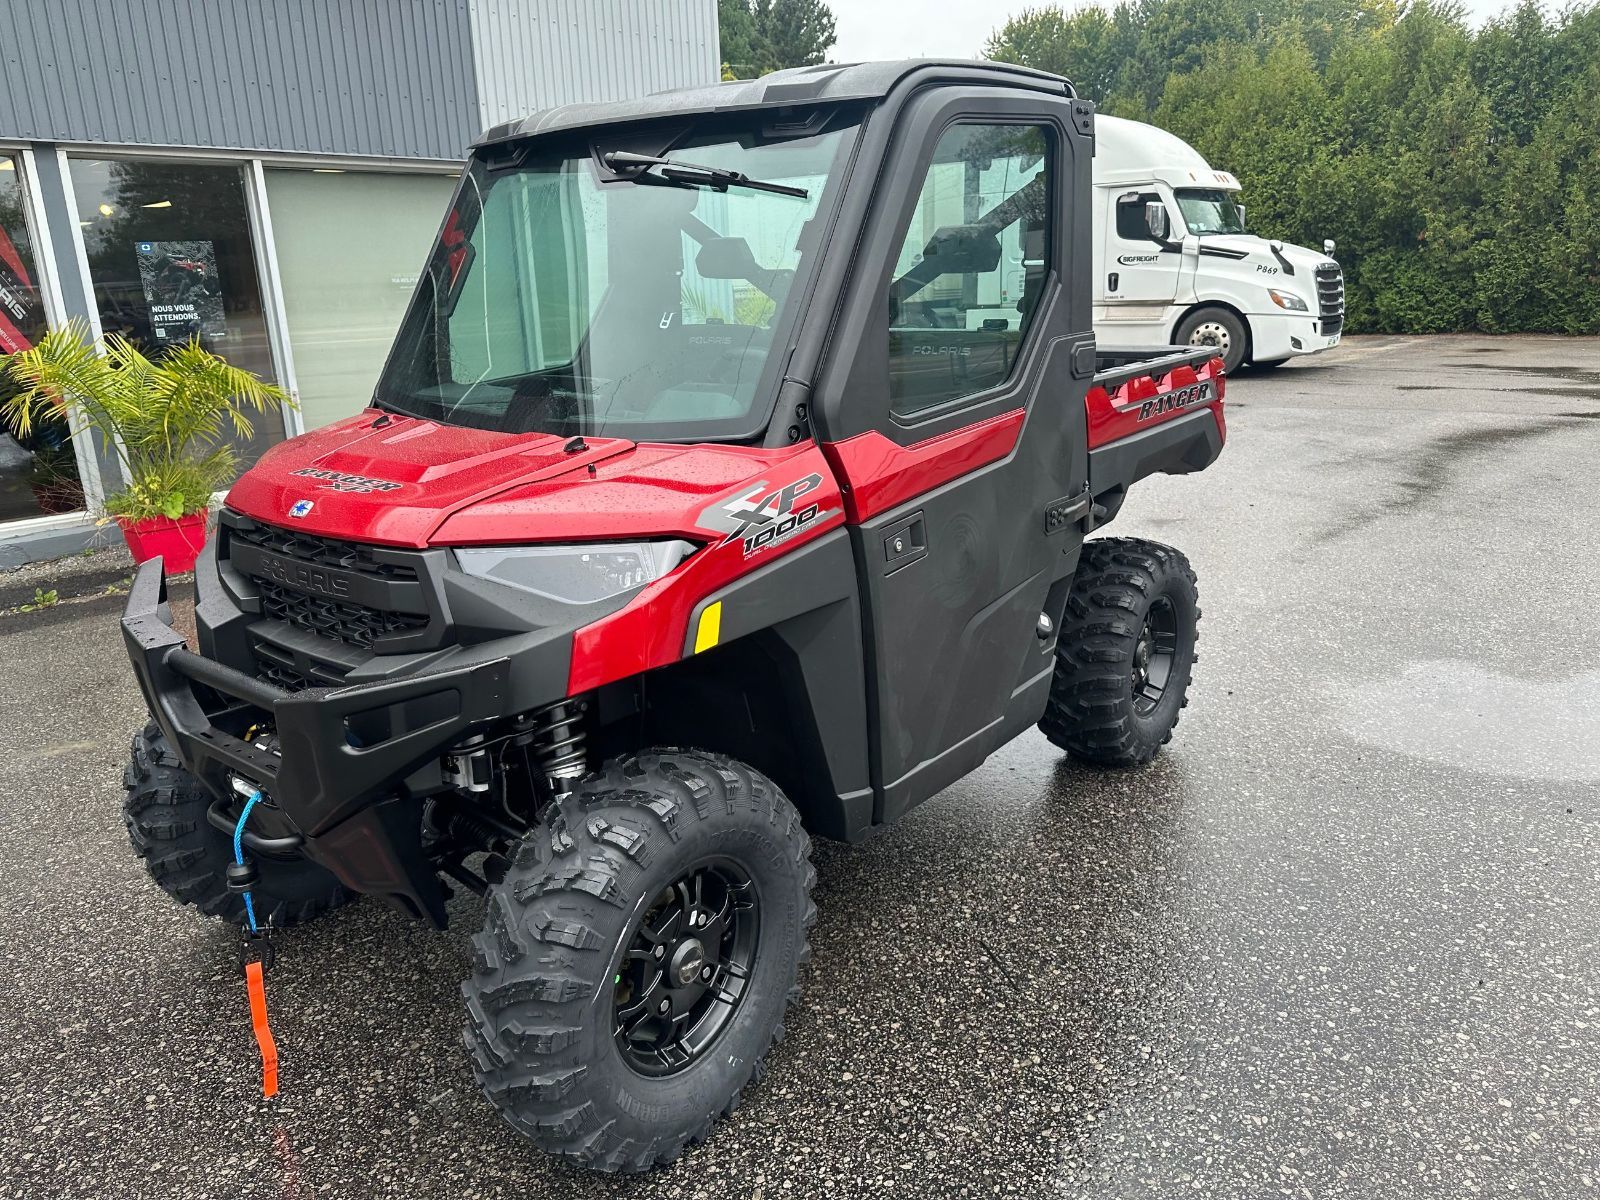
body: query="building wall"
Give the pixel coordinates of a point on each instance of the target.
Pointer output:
(379, 77)
(393, 78)
(534, 54)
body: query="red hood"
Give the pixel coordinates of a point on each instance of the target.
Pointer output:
(421, 483)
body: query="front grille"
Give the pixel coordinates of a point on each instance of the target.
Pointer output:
(342, 631)
(352, 624)
(1330, 297)
(321, 551)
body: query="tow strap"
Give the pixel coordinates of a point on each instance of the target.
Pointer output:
(255, 953)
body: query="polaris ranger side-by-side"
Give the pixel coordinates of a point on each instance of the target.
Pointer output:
(691, 518)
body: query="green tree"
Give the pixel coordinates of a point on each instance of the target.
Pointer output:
(758, 36)
(1459, 170)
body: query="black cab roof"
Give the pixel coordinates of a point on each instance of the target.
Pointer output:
(824, 84)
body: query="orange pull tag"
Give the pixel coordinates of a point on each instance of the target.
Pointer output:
(256, 984)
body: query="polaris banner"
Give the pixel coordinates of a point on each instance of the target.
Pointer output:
(182, 289)
(21, 311)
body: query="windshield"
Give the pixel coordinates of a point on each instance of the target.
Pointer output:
(1210, 210)
(567, 297)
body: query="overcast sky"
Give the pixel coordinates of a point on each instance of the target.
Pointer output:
(871, 29)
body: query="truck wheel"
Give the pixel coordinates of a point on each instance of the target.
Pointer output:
(1125, 653)
(638, 956)
(1217, 327)
(165, 812)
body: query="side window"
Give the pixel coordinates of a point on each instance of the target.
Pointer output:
(967, 281)
(1130, 216)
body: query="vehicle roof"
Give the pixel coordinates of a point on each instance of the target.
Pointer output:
(827, 83)
(1132, 150)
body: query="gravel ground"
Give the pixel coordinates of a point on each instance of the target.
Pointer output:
(1339, 940)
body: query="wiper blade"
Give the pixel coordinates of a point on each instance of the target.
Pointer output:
(634, 166)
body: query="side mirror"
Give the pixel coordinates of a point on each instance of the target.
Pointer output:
(1241, 217)
(1327, 247)
(1156, 221)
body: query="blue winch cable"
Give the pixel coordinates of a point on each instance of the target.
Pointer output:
(238, 855)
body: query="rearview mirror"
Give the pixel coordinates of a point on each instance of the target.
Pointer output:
(1155, 220)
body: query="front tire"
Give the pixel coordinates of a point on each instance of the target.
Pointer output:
(165, 812)
(1126, 652)
(637, 958)
(1218, 327)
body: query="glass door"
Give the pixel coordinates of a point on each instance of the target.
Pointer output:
(171, 257)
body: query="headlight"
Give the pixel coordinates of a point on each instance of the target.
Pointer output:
(1287, 300)
(576, 574)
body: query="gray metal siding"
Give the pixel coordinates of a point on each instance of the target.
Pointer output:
(535, 54)
(378, 77)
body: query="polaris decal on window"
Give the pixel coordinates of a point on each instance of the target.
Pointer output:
(339, 481)
(764, 517)
(1187, 397)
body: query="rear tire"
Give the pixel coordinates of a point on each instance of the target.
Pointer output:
(1219, 327)
(165, 812)
(598, 922)
(1131, 600)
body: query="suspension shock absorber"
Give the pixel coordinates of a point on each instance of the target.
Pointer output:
(558, 741)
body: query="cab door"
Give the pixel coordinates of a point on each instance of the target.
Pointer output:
(958, 437)
(1138, 269)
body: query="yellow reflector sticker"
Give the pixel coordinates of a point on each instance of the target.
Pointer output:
(710, 627)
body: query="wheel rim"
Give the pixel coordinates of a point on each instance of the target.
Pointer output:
(687, 969)
(1212, 333)
(1154, 653)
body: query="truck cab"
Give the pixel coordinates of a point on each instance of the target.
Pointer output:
(1203, 280)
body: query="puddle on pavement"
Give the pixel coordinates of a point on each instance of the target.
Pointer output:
(1482, 721)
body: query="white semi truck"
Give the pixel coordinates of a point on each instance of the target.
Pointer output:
(1174, 265)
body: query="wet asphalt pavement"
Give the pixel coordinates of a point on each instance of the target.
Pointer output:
(1339, 940)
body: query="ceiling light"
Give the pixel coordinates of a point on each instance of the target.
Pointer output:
(158, 204)
(106, 210)
(327, 170)
(7, 165)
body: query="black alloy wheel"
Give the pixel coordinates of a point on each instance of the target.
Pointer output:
(1153, 656)
(686, 969)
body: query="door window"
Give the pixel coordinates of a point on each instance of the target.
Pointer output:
(1131, 225)
(967, 281)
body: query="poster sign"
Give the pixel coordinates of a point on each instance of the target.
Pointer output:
(21, 313)
(182, 289)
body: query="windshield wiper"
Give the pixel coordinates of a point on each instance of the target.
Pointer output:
(633, 166)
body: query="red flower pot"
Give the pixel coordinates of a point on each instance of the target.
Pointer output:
(177, 542)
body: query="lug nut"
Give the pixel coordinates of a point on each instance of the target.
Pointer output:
(705, 973)
(659, 951)
(664, 1007)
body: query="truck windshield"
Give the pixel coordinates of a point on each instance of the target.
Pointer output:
(1210, 210)
(572, 294)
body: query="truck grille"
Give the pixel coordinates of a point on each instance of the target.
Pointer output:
(1330, 297)
(342, 629)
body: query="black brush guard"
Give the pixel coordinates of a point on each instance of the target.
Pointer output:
(351, 797)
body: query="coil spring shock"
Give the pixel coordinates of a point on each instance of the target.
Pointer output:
(558, 742)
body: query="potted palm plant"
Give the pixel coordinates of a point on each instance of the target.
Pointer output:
(167, 419)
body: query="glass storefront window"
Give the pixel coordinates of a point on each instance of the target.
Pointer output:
(350, 247)
(171, 257)
(39, 474)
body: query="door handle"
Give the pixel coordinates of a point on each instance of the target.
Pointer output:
(1111, 281)
(904, 542)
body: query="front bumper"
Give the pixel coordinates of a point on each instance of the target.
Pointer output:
(1280, 335)
(352, 760)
